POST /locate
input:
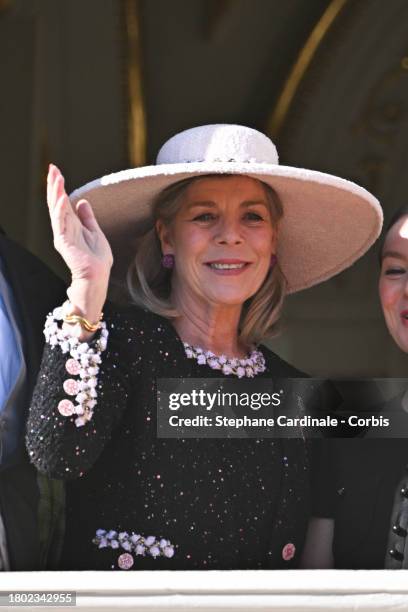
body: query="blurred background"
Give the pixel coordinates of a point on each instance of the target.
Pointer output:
(97, 86)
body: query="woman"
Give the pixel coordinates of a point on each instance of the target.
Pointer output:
(360, 490)
(224, 232)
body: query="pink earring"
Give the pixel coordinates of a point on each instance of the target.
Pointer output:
(168, 261)
(273, 261)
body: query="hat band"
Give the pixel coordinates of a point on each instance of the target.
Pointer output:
(252, 160)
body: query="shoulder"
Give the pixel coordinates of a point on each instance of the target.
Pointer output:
(34, 287)
(11, 251)
(140, 332)
(280, 367)
(134, 313)
(137, 320)
(15, 259)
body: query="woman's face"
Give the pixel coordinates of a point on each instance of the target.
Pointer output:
(393, 285)
(222, 239)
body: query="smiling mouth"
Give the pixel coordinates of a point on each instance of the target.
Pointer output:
(227, 266)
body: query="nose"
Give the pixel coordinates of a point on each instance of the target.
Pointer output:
(228, 232)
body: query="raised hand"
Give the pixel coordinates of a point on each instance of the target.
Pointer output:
(77, 235)
(84, 248)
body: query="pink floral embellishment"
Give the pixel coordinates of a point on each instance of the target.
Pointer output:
(71, 386)
(83, 362)
(133, 543)
(213, 363)
(73, 367)
(125, 561)
(288, 551)
(66, 408)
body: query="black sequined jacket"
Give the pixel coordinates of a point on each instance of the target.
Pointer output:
(222, 503)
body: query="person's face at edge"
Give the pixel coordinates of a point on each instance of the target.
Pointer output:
(222, 221)
(393, 283)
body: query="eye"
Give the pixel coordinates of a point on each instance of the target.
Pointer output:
(394, 271)
(253, 216)
(204, 217)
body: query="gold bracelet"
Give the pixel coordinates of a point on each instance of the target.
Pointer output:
(72, 319)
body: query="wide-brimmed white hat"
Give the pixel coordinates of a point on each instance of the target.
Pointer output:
(328, 222)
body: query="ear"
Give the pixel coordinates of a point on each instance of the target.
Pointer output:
(165, 237)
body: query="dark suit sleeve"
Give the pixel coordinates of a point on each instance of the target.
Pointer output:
(56, 446)
(323, 479)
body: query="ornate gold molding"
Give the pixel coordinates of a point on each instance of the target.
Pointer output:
(301, 65)
(384, 111)
(136, 108)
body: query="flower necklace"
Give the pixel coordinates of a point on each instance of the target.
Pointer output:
(249, 366)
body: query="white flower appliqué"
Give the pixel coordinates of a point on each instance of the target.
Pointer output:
(83, 363)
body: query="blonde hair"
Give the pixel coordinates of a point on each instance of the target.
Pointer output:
(149, 284)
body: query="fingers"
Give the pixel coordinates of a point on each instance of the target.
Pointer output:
(55, 185)
(54, 178)
(56, 190)
(58, 219)
(50, 180)
(64, 216)
(87, 216)
(58, 202)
